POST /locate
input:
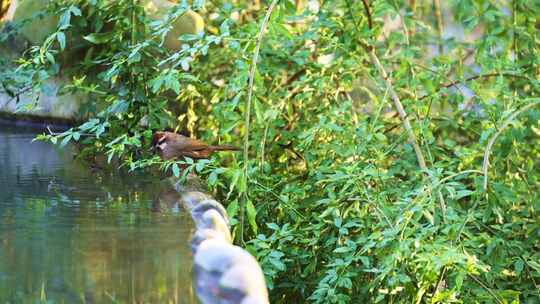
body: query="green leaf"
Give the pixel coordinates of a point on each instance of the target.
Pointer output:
(212, 178)
(198, 4)
(342, 250)
(224, 28)
(99, 38)
(199, 166)
(50, 57)
(61, 37)
(119, 106)
(74, 10)
(232, 209)
(251, 215)
(518, 266)
(66, 140)
(101, 129)
(176, 170)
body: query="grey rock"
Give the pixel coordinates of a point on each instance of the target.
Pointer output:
(212, 219)
(228, 274)
(207, 234)
(191, 184)
(254, 300)
(217, 256)
(211, 225)
(192, 198)
(247, 281)
(199, 210)
(224, 273)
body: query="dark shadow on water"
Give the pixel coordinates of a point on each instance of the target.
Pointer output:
(72, 235)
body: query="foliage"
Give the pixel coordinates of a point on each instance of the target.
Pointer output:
(337, 208)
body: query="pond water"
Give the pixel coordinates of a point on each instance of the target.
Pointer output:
(70, 233)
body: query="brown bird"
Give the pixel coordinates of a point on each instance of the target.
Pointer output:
(170, 145)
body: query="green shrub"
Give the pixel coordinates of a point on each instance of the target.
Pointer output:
(337, 207)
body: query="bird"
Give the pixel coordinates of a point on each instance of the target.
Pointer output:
(169, 145)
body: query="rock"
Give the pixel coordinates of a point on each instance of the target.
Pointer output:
(254, 300)
(224, 273)
(228, 274)
(244, 280)
(211, 225)
(14, 45)
(212, 219)
(190, 198)
(198, 211)
(207, 234)
(191, 184)
(189, 23)
(49, 102)
(216, 256)
(37, 29)
(8, 8)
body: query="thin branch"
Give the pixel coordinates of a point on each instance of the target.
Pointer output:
(481, 76)
(440, 280)
(449, 177)
(506, 123)
(4, 8)
(19, 93)
(399, 107)
(62, 133)
(454, 83)
(51, 132)
(294, 77)
(397, 102)
(248, 112)
(438, 15)
(412, 5)
(368, 14)
(483, 285)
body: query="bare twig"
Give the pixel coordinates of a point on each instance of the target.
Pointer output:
(483, 285)
(51, 132)
(62, 133)
(449, 177)
(506, 123)
(248, 112)
(399, 107)
(481, 76)
(437, 8)
(17, 95)
(397, 102)
(3, 8)
(368, 14)
(412, 5)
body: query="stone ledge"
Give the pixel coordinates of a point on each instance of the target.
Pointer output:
(37, 121)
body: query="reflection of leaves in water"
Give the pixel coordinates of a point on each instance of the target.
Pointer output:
(68, 235)
(83, 252)
(37, 205)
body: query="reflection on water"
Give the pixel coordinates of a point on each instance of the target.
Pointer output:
(72, 235)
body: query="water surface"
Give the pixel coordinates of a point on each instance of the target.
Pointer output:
(70, 233)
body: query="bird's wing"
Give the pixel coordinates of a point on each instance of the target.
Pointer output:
(204, 153)
(187, 144)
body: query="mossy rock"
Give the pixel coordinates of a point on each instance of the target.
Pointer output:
(4, 7)
(188, 23)
(38, 29)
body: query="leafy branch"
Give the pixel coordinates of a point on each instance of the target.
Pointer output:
(491, 142)
(248, 113)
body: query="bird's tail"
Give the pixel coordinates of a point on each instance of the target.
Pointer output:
(224, 148)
